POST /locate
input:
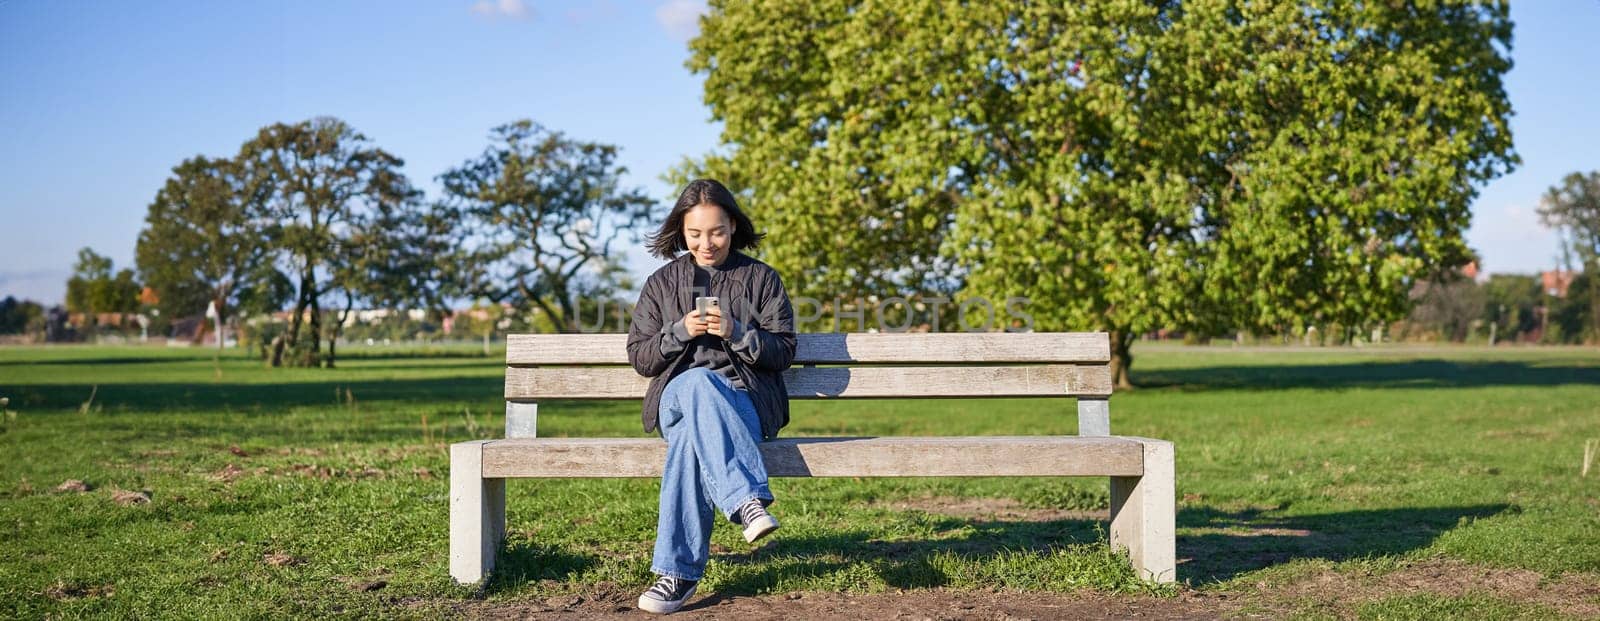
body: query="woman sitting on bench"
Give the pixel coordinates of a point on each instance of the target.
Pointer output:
(714, 328)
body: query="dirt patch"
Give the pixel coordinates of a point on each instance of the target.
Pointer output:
(1573, 595)
(992, 509)
(935, 604)
(63, 591)
(1325, 591)
(228, 474)
(279, 559)
(74, 486)
(128, 498)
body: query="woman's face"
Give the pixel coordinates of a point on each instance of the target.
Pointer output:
(708, 232)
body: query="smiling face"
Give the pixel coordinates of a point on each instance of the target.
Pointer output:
(708, 232)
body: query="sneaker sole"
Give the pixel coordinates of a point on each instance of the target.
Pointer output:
(760, 528)
(665, 608)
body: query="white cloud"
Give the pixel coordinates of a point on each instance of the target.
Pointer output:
(681, 18)
(512, 9)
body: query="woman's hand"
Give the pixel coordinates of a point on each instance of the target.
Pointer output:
(695, 324)
(718, 325)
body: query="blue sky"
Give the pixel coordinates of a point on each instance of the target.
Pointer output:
(99, 99)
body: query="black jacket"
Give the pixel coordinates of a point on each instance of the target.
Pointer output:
(759, 303)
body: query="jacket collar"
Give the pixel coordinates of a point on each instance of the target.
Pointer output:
(735, 259)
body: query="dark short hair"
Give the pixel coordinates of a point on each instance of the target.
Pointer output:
(667, 242)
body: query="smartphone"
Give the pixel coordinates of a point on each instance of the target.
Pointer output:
(704, 304)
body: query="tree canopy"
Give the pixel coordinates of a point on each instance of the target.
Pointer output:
(1125, 165)
(94, 287)
(1572, 208)
(321, 183)
(205, 237)
(539, 215)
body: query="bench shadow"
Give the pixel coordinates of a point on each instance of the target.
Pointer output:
(1230, 543)
(525, 562)
(1426, 373)
(899, 564)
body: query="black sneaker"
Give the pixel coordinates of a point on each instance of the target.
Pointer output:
(757, 522)
(667, 595)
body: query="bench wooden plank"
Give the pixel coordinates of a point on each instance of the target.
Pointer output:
(846, 348)
(532, 383)
(832, 457)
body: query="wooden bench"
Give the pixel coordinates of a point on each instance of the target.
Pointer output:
(948, 365)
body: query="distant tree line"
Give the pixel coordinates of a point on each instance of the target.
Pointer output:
(313, 219)
(1514, 308)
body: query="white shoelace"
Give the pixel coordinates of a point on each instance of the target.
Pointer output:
(666, 588)
(750, 511)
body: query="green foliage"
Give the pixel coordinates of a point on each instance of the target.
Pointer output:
(1514, 303)
(1571, 318)
(541, 212)
(205, 239)
(1573, 209)
(330, 193)
(1450, 304)
(19, 316)
(93, 288)
(1126, 165)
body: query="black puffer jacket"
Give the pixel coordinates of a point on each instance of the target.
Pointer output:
(755, 297)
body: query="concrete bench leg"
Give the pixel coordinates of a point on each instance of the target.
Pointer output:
(477, 514)
(1142, 514)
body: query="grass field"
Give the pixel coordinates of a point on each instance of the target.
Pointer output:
(323, 492)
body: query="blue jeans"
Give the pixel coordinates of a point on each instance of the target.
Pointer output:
(711, 430)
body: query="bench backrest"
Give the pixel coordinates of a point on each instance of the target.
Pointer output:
(839, 365)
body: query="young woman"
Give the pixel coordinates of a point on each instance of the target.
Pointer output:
(717, 387)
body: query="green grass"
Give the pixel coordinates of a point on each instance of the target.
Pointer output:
(1289, 462)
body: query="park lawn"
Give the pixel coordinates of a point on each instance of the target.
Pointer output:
(323, 492)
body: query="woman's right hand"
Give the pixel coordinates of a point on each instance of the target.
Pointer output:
(695, 324)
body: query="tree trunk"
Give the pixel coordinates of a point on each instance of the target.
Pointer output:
(313, 356)
(217, 304)
(1121, 358)
(293, 338)
(338, 329)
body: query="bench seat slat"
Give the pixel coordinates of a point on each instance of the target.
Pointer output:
(533, 383)
(846, 348)
(832, 457)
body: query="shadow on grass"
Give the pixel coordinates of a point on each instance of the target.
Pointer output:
(527, 562)
(1408, 374)
(1229, 544)
(206, 396)
(88, 361)
(1233, 543)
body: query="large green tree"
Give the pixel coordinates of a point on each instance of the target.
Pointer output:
(1573, 209)
(540, 214)
(320, 181)
(1124, 164)
(205, 236)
